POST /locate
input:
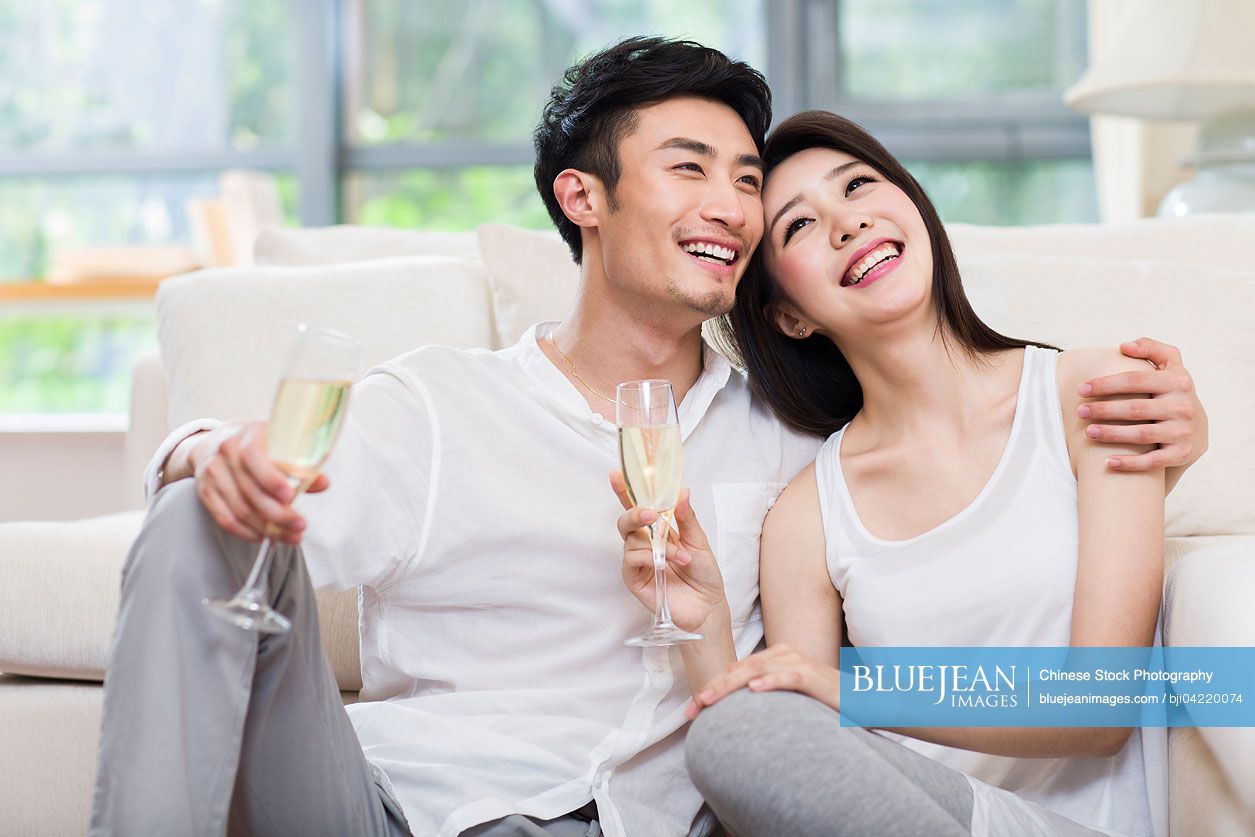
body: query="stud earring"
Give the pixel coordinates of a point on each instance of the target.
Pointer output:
(801, 332)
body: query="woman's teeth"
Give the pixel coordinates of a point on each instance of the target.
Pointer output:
(880, 254)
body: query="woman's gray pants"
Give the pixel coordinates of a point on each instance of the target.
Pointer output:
(771, 763)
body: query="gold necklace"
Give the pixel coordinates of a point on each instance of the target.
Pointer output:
(576, 375)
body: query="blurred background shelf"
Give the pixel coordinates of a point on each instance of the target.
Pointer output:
(104, 289)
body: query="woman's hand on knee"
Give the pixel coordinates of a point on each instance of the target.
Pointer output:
(245, 492)
(778, 668)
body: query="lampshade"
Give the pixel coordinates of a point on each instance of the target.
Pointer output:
(1175, 59)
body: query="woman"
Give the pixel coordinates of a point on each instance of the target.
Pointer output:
(955, 503)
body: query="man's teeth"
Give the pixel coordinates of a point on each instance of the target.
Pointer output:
(880, 254)
(711, 252)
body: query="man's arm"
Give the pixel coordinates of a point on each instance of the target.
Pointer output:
(1172, 418)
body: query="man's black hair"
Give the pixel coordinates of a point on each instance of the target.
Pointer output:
(594, 107)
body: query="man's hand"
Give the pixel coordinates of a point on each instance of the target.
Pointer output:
(1172, 417)
(694, 583)
(246, 493)
(778, 668)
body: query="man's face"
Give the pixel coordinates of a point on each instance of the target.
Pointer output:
(688, 207)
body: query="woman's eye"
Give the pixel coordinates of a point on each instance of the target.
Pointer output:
(793, 226)
(856, 182)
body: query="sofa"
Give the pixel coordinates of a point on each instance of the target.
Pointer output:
(222, 334)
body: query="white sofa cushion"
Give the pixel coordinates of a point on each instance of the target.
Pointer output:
(349, 243)
(532, 277)
(1074, 302)
(1218, 239)
(224, 333)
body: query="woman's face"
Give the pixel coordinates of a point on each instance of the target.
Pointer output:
(847, 247)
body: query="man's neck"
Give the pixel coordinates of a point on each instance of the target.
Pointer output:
(599, 346)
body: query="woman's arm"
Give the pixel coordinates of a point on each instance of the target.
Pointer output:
(801, 608)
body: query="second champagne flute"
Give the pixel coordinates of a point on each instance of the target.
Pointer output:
(649, 447)
(304, 422)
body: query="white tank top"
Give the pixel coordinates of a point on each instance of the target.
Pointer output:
(1000, 572)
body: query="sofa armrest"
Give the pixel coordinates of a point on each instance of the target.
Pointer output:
(148, 426)
(59, 600)
(60, 594)
(1207, 602)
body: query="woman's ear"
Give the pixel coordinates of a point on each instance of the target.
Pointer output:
(788, 319)
(579, 195)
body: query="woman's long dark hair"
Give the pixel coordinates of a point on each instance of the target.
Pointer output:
(808, 383)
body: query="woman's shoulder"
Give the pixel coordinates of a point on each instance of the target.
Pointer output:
(1076, 366)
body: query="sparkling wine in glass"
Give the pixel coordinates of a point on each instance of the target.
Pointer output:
(650, 450)
(308, 409)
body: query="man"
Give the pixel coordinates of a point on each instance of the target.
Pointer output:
(470, 506)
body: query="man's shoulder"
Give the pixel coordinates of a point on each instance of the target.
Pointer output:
(442, 361)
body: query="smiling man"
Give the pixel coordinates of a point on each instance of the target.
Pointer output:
(468, 500)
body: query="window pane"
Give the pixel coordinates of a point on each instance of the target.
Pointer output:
(157, 75)
(43, 216)
(482, 69)
(925, 49)
(455, 199)
(70, 363)
(1031, 192)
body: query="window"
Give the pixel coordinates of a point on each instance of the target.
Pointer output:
(418, 113)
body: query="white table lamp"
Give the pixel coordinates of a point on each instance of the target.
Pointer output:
(1186, 60)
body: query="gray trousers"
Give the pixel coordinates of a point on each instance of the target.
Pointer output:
(775, 763)
(209, 729)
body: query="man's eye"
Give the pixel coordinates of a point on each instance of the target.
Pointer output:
(690, 167)
(856, 182)
(751, 180)
(793, 226)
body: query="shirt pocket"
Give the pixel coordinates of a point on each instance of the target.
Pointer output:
(740, 508)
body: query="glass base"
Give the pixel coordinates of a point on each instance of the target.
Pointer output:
(663, 633)
(250, 615)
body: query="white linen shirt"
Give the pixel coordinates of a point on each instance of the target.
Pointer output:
(469, 501)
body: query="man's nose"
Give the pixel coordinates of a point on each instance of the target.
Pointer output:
(724, 205)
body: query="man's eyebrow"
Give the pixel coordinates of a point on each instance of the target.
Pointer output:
(832, 174)
(705, 149)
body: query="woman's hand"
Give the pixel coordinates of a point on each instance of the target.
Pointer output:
(777, 668)
(694, 583)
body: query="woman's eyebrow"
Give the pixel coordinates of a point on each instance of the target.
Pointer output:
(833, 174)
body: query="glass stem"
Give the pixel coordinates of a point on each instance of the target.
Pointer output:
(253, 591)
(658, 544)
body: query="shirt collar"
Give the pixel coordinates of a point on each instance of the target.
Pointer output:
(550, 381)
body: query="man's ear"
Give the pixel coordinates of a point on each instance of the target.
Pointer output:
(580, 196)
(788, 319)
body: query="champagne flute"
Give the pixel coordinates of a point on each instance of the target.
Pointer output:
(304, 422)
(649, 447)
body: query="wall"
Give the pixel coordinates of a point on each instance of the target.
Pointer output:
(61, 468)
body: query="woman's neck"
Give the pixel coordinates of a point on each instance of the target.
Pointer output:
(923, 383)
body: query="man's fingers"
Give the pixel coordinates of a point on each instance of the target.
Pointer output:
(1162, 355)
(1137, 434)
(1150, 382)
(321, 483)
(1137, 409)
(222, 513)
(256, 466)
(1168, 457)
(620, 488)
